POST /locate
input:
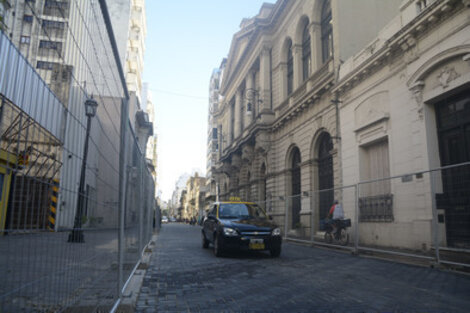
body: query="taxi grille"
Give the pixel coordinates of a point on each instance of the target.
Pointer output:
(255, 233)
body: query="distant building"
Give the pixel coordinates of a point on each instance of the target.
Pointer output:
(175, 201)
(194, 198)
(130, 29)
(212, 130)
(151, 153)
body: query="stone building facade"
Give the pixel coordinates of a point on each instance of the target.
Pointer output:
(405, 108)
(278, 122)
(194, 198)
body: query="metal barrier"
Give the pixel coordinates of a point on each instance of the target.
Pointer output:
(70, 236)
(424, 215)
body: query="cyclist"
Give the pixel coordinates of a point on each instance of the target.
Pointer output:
(336, 213)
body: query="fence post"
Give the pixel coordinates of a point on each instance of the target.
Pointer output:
(356, 220)
(141, 205)
(312, 219)
(435, 231)
(122, 146)
(122, 192)
(286, 215)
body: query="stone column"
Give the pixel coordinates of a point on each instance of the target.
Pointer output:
(265, 80)
(251, 95)
(228, 121)
(298, 73)
(315, 46)
(238, 127)
(283, 81)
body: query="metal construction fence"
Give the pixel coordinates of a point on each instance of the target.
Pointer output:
(77, 197)
(424, 215)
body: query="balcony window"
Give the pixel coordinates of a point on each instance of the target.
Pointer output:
(376, 201)
(45, 65)
(56, 8)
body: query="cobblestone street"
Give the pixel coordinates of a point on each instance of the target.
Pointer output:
(183, 277)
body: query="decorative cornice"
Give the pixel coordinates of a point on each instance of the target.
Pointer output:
(323, 83)
(403, 42)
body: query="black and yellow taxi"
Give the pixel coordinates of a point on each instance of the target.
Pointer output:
(237, 225)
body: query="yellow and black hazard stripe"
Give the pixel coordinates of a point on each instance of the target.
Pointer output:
(53, 206)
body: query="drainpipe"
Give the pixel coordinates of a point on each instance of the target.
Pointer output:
(336, 102)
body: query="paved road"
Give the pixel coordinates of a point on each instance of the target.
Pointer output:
(183, 277)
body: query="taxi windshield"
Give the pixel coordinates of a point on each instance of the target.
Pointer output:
(241, 210)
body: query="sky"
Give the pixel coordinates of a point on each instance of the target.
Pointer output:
(186, 40)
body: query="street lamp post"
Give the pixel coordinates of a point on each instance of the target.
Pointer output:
(77, 234)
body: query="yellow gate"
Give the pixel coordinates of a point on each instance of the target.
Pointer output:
(6, 161)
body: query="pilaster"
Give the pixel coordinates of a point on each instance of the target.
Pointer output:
(238, 114)
(265, 79)
(315, 45)
(251, 96)
(298, 73)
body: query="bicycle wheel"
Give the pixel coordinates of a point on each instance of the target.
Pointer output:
(328, 237)
(343, 237)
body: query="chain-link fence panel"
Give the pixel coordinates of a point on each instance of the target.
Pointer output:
(70, 234)
(451, 229)
(395, 215)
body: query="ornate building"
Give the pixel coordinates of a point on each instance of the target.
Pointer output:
(405, 108)
(321, 95)
(278, 124)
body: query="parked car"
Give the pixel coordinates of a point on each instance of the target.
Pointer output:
(164, 219)
(240, 225)
(172, 219)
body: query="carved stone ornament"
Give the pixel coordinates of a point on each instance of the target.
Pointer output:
(247, 153)
(446, 75)
(466, 57)
(417, 90)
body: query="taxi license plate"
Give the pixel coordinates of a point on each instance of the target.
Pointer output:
(256, 244)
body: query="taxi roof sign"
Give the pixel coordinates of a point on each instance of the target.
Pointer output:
(234, 199)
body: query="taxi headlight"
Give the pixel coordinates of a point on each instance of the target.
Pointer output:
(230, 232)
(276, 232)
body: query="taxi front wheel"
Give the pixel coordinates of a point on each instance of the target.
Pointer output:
(217, 246)
(205, 242)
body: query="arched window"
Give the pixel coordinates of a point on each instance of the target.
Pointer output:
(290, 68)
(295, 186)
(306, 53)
(326, 31)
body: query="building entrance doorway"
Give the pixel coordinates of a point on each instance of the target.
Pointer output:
(453, 125)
